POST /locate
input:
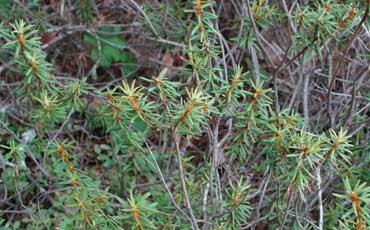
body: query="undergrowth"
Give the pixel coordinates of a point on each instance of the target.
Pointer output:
(216, 142)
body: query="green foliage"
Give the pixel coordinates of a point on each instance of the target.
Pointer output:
(4, 7)
(238, 207)
(172, 15)
(204, 145)
(263, 14)
(140, 212)
(355, 203)
(85, 10)
(108, 48)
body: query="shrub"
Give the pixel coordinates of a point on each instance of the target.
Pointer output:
(219, 141)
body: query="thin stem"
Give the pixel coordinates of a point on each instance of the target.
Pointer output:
(164, 182)
(305, 100)
(318, 182)
(146, 17)
(266, 56)
(183, 182)
(357, 30)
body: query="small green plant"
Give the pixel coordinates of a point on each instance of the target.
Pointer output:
(221, 129)
(356, 217)
(109, 47)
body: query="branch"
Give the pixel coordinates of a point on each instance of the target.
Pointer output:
(321, 218)
(357, 30)
(183, 182)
